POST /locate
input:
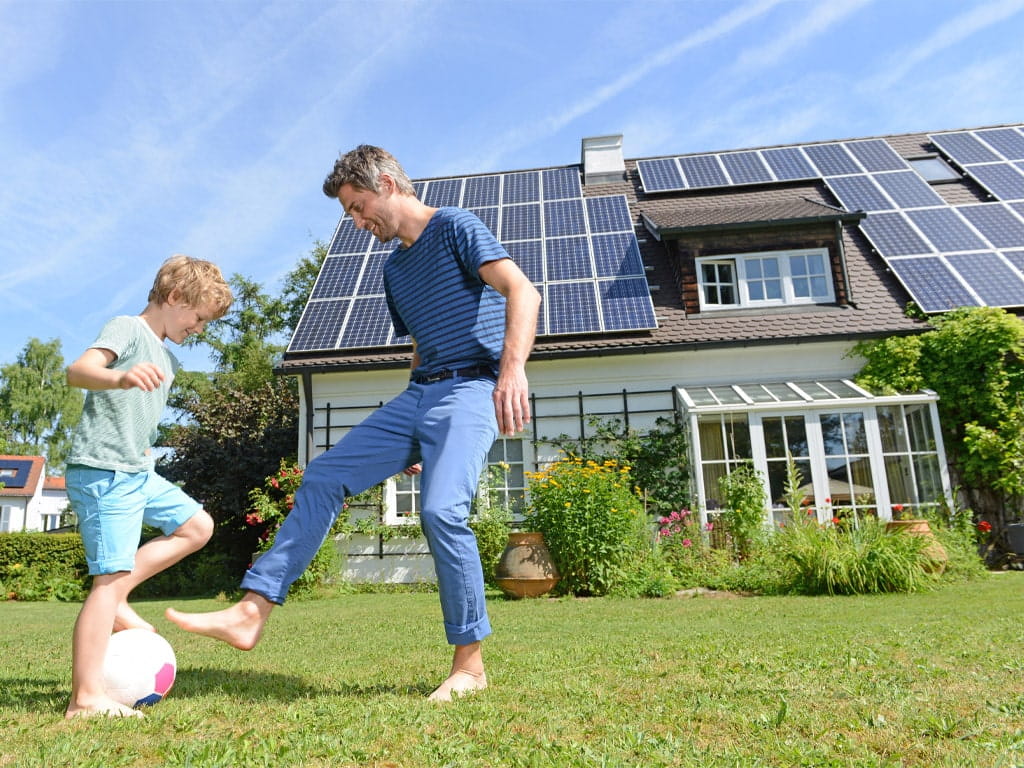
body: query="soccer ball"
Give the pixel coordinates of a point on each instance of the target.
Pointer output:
(139, 667)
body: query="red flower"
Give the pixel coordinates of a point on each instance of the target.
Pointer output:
(984, 526)
(835, 521)
(253, 519)
(897, 507)
(273, 482)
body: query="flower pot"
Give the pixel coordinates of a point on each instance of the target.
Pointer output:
(934, 551)
(525, 568)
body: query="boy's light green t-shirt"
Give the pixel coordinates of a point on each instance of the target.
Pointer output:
(119, 426)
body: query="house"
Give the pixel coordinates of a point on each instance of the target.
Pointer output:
(30, 501)
(723, 289)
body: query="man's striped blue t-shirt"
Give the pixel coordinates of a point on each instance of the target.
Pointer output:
(435, 293)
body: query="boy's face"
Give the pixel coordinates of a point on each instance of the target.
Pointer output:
(183, 320)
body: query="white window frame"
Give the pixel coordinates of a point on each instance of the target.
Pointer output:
(742, 267)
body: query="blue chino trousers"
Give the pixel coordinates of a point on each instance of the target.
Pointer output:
(447, 425)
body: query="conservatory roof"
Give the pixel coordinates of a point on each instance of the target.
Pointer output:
(787, 395)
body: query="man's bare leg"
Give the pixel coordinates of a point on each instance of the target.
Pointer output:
(467, 675)
(240, 625)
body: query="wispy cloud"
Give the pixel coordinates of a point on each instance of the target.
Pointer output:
(534, 131)
(978, 17)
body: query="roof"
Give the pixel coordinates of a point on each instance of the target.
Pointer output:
(55, 484)
(20, 475)
(686, 218)
(874, 307)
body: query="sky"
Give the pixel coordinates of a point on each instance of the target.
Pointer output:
(134, 130)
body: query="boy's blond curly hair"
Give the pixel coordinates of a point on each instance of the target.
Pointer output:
(197, 282)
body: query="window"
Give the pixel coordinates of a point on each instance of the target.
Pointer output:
(933, 169)
(724, 444)
(770, 278)
(5, 519)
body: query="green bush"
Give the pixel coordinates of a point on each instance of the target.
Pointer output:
(42, 566)
(744, 507)
(491, 524)
(592, 522)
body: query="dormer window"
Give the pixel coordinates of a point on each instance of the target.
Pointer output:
(765, 279)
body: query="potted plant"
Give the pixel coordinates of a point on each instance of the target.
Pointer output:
(904, 521)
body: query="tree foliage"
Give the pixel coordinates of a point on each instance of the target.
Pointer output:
(38, 410)
(972, 358)
(224, 450)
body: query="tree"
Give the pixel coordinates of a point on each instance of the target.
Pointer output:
(973, 360)
(233, 439)
(38, 409)
(298, 284)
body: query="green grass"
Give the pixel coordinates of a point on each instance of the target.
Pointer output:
(932, 679)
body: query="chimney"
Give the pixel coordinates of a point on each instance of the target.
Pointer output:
(601, 157)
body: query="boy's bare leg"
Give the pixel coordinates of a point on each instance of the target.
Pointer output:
(89, 645)
(240, 625)
(157, 555)
(467, 675)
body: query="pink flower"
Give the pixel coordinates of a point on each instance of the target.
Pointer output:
(253, 519)
(687, 543)
(709, 526)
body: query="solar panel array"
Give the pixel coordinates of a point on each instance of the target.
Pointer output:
(581, 253)
(945, 255)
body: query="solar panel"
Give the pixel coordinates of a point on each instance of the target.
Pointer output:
(564, 217)
(1009, 142)
(660, 175)
(858, 193)
(482, 191)
(932, 284)
(703, 171)
(338, 276)
(746, 168)
(1016, 258)
(527, 254)
(443, 192)
(832, 159)
(996, 222)
(995, 282)
(1003, 180)
(568, 258)
(348, 239)
(369, 323)
(320, 325)
(572, 308)
(876, 155)
(963, 147)
(521, 187)
(617, 255)
(561, 183)
(373, 274)
(907, 189)
(789, 164)
(626, 305)
(892, 235)
(520, 222)
(945, 229)
(609, 214)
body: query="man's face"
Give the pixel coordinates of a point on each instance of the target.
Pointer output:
(371, 211)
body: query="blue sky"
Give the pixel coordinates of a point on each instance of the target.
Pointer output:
(130, 131)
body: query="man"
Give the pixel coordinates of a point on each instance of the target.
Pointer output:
(472, 314)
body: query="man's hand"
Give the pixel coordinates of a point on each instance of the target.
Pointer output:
(512, 401)
(415, 469)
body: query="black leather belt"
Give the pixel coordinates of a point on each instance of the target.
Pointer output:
(475, 371)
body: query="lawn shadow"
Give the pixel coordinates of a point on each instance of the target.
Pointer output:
(200, 681)
(34, 694)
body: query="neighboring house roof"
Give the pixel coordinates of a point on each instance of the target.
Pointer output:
(55, 484)
(20, 475)
(673, 225)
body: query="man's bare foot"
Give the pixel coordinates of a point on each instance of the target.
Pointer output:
(101, 707)
(127, 618)
(460, 683)
(240, 625)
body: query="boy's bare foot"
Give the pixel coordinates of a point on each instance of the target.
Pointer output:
(101, 707)
(127, 618)
(240, 625)
(460, 683)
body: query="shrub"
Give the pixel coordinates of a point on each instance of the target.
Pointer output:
(592, 522)
(840, 560)
(42, 566)
(491, 521)
(744, 507)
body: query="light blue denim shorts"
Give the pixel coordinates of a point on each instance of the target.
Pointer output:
(112, 506)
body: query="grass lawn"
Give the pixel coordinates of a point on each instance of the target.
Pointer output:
(934, 679)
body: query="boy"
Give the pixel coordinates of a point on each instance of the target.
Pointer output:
(110, 476)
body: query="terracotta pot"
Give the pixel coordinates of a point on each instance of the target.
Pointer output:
(934, 551)
(525, 568)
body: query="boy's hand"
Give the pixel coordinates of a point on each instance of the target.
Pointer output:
(145, 376)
